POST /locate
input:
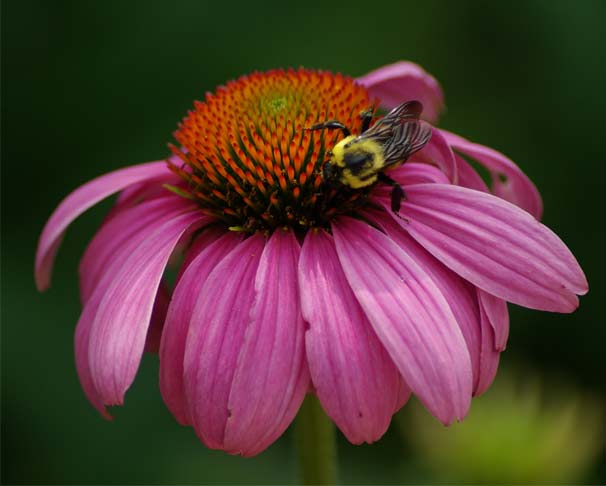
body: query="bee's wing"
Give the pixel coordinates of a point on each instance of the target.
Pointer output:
(407, 138)
(404, 111)
(384, 129)
(400, 132)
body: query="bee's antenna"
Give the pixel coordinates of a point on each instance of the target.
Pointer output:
(331, 125)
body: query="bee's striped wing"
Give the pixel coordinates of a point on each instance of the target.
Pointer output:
(407, 138)
(404, 111)
(400, 132)
(411, 110)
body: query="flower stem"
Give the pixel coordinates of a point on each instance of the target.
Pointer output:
(316, 444)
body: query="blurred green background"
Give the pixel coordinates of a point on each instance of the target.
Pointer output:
(88, 87)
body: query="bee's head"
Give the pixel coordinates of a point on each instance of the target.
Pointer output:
(330, 172)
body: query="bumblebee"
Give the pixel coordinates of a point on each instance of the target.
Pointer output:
(359, 161)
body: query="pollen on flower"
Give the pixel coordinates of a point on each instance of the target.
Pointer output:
(248, 160)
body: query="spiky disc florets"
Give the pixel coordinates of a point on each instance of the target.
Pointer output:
(248, 160)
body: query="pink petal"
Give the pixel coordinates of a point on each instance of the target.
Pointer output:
(148, 189)
(517, 188)
(203, 257)
(408, 174)
(199, 243)
(410, 316)
(216, 337)
(489, 355)
(91, 305)
(497, 315)
(405, 81)
(141, 193)
(114, 234)
(438, 152)
(355, 379)
(81, 352)
(460, 295)
(271, 376)
(156, 325)
(79, 201)
(416, 173)
(494, 245)
(468, 177)
(118, 333)
(404, 392)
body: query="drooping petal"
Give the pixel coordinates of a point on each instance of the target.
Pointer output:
(354, 377)
(199, 243)
(203, 258)
(460, 295)
(494, 245)
(144, 192)
(148, 189)
(158, 316)
(498, 317)
(405, 81)
(216, 337)
(516, 187)
(409, 315)
(118, 333)
(160, 216)
(271, 376)
(404, 393)
(115, 234)
(81, 352)
(489, 354)
(468, 177)
(79, 201)
(438, 152)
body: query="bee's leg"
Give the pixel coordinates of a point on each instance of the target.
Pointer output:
(366, 117)
(397, 193)
(331, 125)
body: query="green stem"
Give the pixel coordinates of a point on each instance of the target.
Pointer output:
(317, 449)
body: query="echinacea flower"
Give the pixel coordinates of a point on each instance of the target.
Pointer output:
(289, 285)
